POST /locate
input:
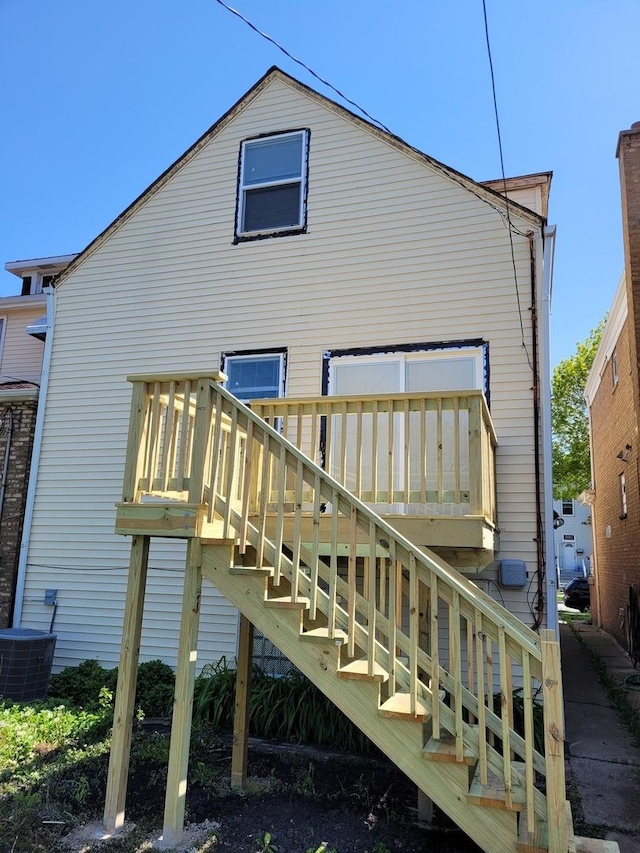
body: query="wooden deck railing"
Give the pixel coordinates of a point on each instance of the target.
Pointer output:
(424, 448)
(449, 648)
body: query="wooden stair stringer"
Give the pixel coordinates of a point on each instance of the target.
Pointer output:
(447, 784)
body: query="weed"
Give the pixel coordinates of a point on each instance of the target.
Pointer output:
(266, 844)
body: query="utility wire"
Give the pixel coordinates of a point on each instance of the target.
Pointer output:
(302, 64)
(434, 163)
(504, 181)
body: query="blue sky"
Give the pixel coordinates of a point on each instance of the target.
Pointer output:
(96, 100)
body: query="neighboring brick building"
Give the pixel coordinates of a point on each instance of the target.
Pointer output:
(18, 407)
(613, 397)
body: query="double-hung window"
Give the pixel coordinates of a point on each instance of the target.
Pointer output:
(254, 376)
(272, 188)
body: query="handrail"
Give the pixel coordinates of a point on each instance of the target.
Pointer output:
(401, 606)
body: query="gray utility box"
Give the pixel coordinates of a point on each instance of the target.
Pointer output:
(26, 656)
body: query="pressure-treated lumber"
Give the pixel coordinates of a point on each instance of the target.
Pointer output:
(240, 750)
(126, 688)
(183, 698)
(554, 742)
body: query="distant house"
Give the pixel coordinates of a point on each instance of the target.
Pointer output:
(573, 540)
(613, 398)
(23, 326)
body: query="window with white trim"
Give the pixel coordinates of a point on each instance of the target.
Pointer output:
(272, 187)
(567, 507)
(615, 376)
(255, 375)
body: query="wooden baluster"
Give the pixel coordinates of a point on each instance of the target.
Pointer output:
(358, 451)
(265, 487)
(246, 488)
(185, 434)
(215, 473)
(315, 547)
(529, 743)
(201, 433)
(390, 451)
(475, 457)
(166, 437)
(333, 565)
(554, 742)
(482, 708)
(297, 527)
(342, 478)
(490, 680)
(456, 450)
(439, 453)
(298, 418)
(137, 442)
(414, 634)
(328, 436)
(374, 453)
(470, 661)
(231, 472)
(351, 580)
(314, 433)
(281, 486)
(423, 451)
(393, 607)
(455, 662)
(406, 471)
(152, 460)
(371, 595)
(382, 593)
(506, 699)
(435, 660)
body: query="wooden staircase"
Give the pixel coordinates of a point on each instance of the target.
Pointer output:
(410, 650)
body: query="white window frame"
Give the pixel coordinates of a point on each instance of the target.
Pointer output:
(570, 511)
(615, 376)
(402, 358)
(244, 189)
(253, 355)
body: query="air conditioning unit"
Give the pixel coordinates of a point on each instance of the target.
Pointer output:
(26, 656)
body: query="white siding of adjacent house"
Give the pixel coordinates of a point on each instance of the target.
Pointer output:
(21, 354)
(395, 253)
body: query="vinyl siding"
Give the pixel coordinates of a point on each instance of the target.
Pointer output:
(21, 354)
(395, 253)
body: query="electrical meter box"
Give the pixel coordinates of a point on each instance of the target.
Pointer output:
(513, 573)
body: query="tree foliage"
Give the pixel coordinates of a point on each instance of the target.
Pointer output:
(569, 419)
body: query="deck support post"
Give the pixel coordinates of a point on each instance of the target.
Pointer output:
(176, 792)
(241, 711)
(554, 742)
(425, 808)
(126, 688)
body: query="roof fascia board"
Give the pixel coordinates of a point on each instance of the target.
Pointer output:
(615, 321)
(489, 195)
(16, 394)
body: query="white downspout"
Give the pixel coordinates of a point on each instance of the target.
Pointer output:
(549, 234)
(35, 462)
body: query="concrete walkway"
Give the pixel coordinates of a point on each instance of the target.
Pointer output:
(603, 765)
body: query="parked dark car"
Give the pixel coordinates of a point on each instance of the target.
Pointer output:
(577, 595)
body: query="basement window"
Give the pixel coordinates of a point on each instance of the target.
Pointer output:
(272, 187)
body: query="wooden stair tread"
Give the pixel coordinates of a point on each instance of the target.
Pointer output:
(398, 706)
(444, 749)
(284, 602)
(264, 571)
(359, 669)
(315, 634)
(595, 845)
(493, 793)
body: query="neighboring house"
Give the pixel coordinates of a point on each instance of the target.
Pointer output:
(573, 540)
(389, 316)
(22, 332)
(613, 398)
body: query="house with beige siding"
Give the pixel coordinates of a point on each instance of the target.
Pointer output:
(310, 364)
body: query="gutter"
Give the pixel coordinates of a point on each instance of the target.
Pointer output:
(35, 461)
(549, 237)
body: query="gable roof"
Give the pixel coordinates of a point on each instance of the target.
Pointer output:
(485, 193)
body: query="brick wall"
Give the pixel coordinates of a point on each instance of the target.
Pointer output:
(614, 426)
(19, 441)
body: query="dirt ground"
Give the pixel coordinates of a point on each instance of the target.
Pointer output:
(297, 800)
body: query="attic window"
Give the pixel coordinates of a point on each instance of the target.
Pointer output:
(272, 187)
